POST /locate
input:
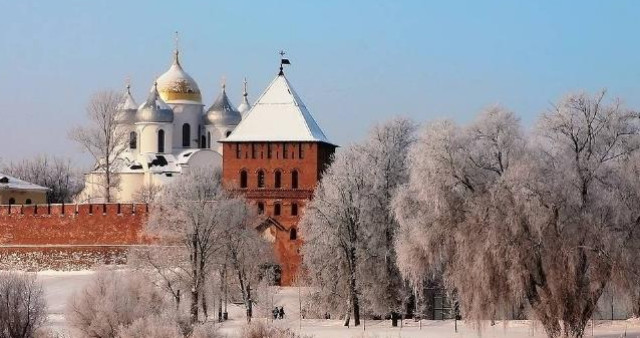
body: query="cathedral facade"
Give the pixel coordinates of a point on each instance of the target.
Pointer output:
(167, 134)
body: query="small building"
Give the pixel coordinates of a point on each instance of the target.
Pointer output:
(16, 191)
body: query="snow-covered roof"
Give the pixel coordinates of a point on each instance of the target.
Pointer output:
(279, 115)
(11, 183)
(175, 84)
(127, 108)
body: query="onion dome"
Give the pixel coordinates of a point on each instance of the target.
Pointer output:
(222, 111)
(154, 109)
(176, 85)
(127, 108)
(244, 106)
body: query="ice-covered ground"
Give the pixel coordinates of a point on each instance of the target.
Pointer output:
(59, 286)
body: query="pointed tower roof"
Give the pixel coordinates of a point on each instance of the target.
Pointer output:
(127, 108)
(154, 109)
(244, 106)
(279, 115)
(222, 111)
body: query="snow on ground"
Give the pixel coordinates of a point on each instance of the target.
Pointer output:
(59, 286)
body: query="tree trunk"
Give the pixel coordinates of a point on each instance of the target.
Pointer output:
(193, 313)
(249, 303)
(220, 296)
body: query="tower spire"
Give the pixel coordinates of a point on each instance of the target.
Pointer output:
(176, 52)
(223, 83)
(244, 89)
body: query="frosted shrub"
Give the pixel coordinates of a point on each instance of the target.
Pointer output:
(262, 330)
(110, 302)
(22, 305)
(151, 327)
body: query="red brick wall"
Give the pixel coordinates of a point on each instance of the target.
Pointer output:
(73, 231)
(254, 157)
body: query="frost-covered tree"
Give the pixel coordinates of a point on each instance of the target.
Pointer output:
(349, 229)
(385, 159)
(245, 251)
(56, 173)
(191, 219)
(548, 220)
(102, 138)
(23, 308)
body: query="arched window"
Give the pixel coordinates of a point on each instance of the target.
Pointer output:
(209, 139)
(260, 179)
(12, 200)
(203, 141)
(133, 140)
(161, 141)
(293, 234)
(277, 179)
(294, 209)
(28, 201)
(260, 208)
(227, 133)
(276, 209)
(294, 179)
(243, 179)
(186, 135)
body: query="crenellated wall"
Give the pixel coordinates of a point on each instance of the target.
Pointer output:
(68, 236)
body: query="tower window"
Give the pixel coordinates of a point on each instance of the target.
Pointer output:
(276, 209)
(186, 135)
(203, 141)
(28, 201)
(253, 150)
(294, 209)
(260, 179)
(238, 151)
(293, 234)
(277, 179)
(260, 208)
(243, 179)
(294, 179)
(209, 139)
(227, 133)
(161, 141)
(300, 151)
(269, 150)
(284, 150)
(12, 201)
(133, 140)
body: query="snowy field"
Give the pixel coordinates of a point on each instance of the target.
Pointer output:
(60, 285)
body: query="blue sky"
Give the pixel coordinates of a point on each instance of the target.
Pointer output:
(353, 62)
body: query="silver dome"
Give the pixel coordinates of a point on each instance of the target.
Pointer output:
(154, 109)
(222, 112)
(126, 109)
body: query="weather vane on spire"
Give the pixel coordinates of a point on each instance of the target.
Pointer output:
(283, 61)
(223, 82)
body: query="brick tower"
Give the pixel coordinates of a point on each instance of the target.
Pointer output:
(275, 157)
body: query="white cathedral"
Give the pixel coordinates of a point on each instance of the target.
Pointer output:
(167, 134)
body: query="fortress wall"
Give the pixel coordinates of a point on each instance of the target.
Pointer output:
(69, 236)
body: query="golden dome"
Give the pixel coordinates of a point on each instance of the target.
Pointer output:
(177, 85)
